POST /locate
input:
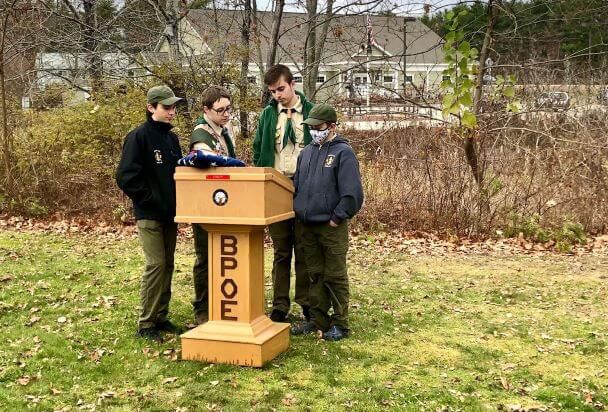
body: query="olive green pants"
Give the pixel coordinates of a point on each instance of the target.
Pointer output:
(158, 242)
(200, 271)
(286, 243)
(325, 249)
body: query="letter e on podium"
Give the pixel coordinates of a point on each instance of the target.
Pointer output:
(234, 205)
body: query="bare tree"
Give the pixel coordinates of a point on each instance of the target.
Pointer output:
(21, 27)
(245, 38)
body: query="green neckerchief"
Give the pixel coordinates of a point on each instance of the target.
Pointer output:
(290, 133)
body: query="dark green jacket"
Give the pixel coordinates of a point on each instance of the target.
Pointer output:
(203, 136)
(264, 141)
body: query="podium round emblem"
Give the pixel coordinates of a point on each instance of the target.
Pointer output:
(220, 197)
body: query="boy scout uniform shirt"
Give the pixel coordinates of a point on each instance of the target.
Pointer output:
(286, 157)
(214, 130)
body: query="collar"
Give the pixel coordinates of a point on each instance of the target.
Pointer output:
(162, 126)
(216, 128)
(297, 106)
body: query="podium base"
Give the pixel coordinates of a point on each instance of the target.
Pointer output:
(243, 344)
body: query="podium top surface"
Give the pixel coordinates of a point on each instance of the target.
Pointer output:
(238, 174)
(233, 196)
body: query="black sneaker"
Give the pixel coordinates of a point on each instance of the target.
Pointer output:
(278, 316)
(304, 328)
(168, 326)
(150, 334)
(335, 333)
(306, 313)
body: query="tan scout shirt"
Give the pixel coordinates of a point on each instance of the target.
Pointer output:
(215, 131)
(286, 158)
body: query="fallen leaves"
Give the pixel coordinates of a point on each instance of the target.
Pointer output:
(24, 380)
(289, 399)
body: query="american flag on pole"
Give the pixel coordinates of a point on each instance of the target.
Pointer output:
(370, 32)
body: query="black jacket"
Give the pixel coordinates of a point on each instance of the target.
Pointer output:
(145, 172)
(327, 182)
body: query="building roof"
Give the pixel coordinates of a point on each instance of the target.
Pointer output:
(220, 29)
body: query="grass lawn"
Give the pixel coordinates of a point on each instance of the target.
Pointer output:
(457, 332)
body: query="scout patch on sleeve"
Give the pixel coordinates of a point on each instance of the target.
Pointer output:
(329, 161)
(158, 156)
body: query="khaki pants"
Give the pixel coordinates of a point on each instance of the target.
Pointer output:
(286, 243)
(325, 248)
(158, 242)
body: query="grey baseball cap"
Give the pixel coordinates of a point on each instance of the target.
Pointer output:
(162, 94)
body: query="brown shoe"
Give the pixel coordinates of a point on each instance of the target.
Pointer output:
(202, 317)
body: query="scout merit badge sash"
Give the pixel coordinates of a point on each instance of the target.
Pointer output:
(220, 147)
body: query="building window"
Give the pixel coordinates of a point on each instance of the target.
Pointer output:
(388, 79)
(297, 79)
(321, 79)
(445, 77)
(252, 79)
(408, 79)
(131, 73)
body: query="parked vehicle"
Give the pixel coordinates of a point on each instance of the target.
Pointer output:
(553, 100)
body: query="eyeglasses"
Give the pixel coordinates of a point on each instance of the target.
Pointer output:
(223, 110)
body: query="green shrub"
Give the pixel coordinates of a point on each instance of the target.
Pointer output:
(565, 236)
(67, 157)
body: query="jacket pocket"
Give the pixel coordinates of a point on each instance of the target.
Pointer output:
(318, 211)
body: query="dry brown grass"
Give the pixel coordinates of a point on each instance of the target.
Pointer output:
(554, 166)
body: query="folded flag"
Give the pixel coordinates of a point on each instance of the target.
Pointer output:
(204, 160)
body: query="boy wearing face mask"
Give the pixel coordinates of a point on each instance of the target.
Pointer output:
(328, 193)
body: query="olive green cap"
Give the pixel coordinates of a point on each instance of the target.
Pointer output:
(162, 94)
(321, 113)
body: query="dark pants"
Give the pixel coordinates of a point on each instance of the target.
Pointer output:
(200, 271)
(286, 243)
(325, 248)
(158, 242)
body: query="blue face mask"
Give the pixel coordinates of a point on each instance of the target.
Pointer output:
(319, 136)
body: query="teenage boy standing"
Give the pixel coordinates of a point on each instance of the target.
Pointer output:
(145, 174)
(210, 135)
(328, 193)
(279, 139)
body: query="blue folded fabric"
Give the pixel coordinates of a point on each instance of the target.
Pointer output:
(202, 160)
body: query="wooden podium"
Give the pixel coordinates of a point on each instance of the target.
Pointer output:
(234, 205)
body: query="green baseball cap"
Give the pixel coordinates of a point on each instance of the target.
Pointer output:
(321, 113)
(162, 94)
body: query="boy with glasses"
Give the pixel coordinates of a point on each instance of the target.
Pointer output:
(145, 174)
(328, 193)
(211, 136)
(279, 138)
